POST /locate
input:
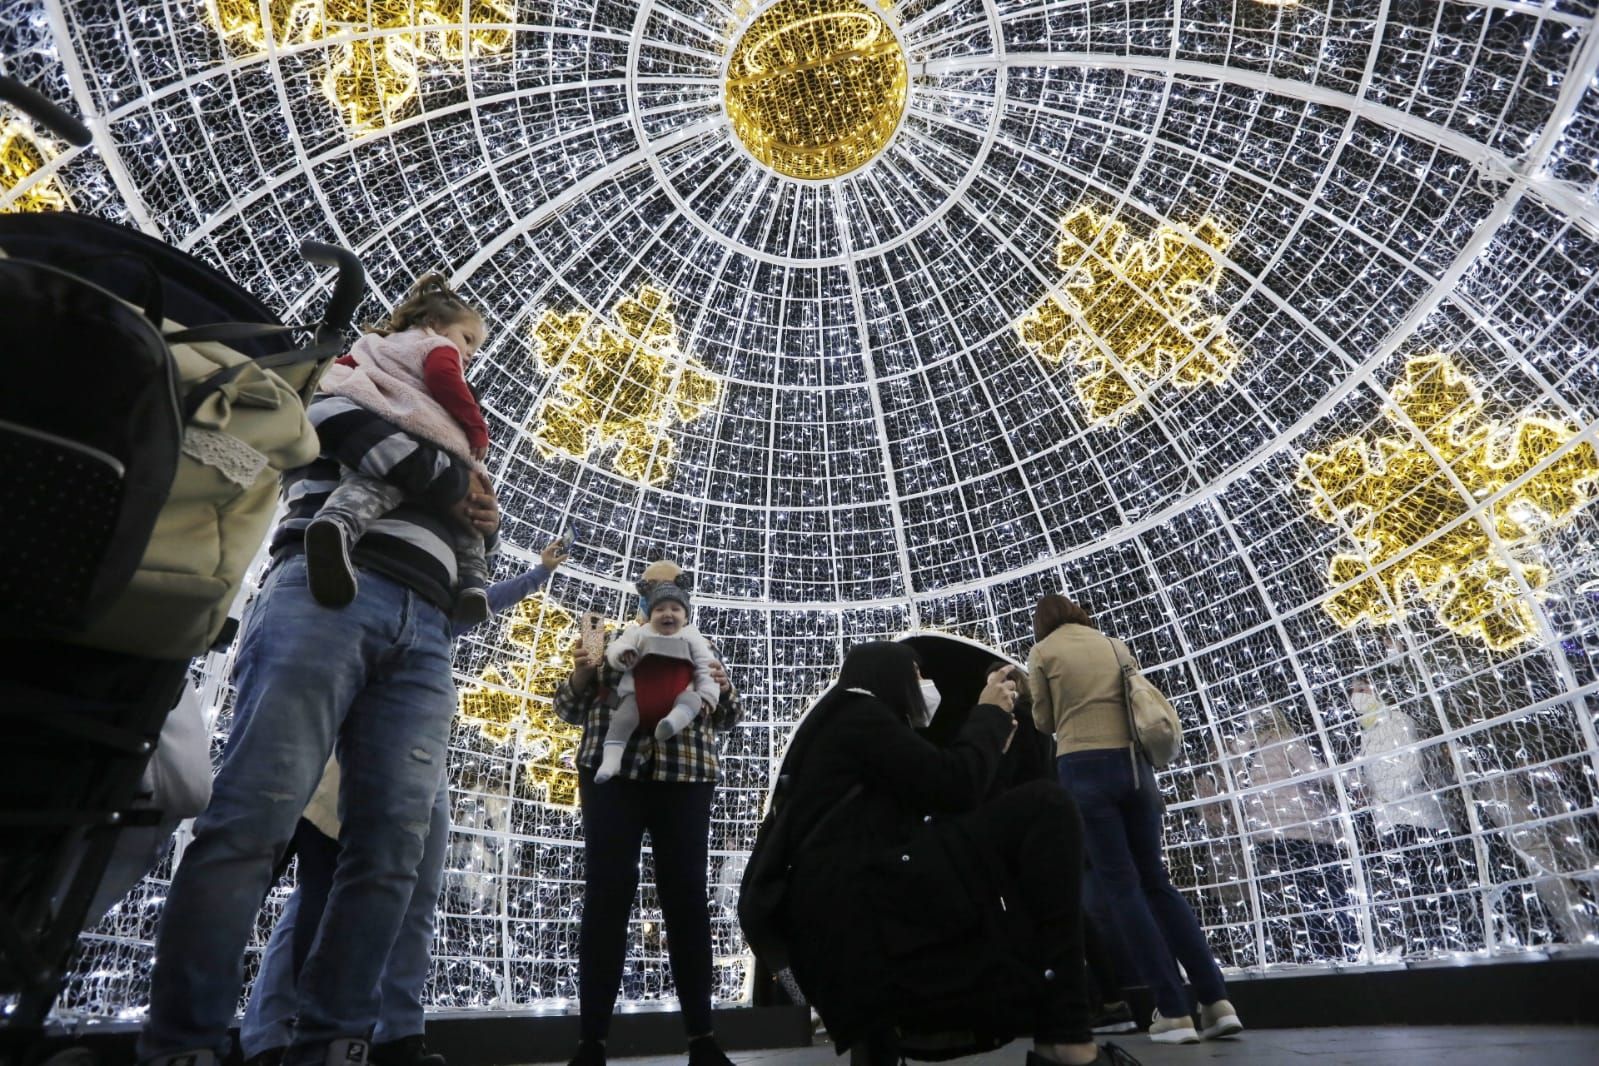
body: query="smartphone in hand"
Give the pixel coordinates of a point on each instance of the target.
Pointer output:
(591, 634)
(565, 539)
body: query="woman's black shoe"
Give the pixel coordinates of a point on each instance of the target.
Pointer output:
(705, 1051)
(589, 1053)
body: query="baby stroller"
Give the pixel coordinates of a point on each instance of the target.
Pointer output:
(148, 405)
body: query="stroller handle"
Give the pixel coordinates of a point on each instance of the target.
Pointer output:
(45, 113)
(347, 289)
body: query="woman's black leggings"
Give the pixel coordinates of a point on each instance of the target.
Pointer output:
(1035, 831)
(615, 818)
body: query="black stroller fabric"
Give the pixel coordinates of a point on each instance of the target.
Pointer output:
(89, 439)
(93, 413)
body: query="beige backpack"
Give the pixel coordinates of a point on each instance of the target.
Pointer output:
(142, 458)
(1151, 718)
(241, 435)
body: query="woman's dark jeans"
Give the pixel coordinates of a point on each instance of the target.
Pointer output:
(1122, 825)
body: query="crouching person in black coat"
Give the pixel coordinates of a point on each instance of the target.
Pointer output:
(914, 907)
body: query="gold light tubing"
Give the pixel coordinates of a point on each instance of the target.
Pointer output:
(1132, 313)
(373, 80)
(518, 708)
(1411, 523)
(624, 381)
(816, 88)
(21, 157)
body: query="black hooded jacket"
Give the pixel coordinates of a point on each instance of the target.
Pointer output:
(894, 908)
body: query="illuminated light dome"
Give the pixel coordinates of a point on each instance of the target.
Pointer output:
(816, 88)
(1265, 330)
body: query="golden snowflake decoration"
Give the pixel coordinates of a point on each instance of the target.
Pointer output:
(512, 701)
(21, 157)
(371, 76)
(1416, 530)
(1132, 314)
(624, 381)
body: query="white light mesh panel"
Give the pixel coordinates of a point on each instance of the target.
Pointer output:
(887, 451)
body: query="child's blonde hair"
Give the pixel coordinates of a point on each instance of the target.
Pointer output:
(430, 302)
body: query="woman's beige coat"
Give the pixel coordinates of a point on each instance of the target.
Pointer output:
(1077, 689)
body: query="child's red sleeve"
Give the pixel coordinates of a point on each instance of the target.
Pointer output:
(442, 374)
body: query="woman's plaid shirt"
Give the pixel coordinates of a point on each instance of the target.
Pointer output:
(689, 756)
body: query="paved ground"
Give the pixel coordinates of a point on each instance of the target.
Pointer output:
(1395, 1045)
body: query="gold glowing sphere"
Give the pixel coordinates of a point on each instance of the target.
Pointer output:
(816, 88)
(1397, 497)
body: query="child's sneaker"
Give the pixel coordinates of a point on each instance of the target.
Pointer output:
(328, 569)
(472, 607)
(1178, 1030)
(1218, 1019)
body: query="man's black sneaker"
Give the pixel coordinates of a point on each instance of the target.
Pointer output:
(406, 1051)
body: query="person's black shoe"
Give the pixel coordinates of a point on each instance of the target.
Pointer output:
(878, 1047)
(272, 1056)
(1109, 1055)
(705, 1051)
(406, 1051)
(589, 1053)
(1115, 1018)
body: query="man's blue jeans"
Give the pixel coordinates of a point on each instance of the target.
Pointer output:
(270, 1017)
(375, 678)
(1122, 817)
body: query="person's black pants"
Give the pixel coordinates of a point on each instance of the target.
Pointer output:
(319, 856)
(615, 818)
(1104, 986)
(1035, 832)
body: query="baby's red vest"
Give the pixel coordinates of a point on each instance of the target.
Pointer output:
(657, 683)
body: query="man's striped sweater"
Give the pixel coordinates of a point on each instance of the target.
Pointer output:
(411, 544)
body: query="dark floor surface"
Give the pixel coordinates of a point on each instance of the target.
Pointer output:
(1433, 1045)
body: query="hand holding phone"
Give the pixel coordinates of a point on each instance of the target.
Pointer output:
(556, 551)
(591, 635)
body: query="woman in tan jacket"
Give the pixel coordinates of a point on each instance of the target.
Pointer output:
(1076, 679)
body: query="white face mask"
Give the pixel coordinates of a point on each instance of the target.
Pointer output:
(930, 697)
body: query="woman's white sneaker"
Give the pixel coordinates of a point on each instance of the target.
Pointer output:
(1218, 1019)
(1172, 1030)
